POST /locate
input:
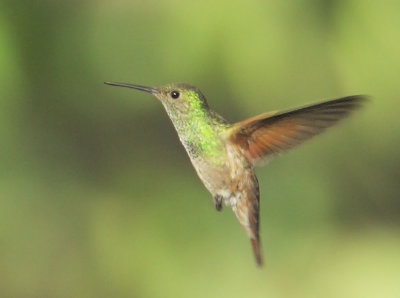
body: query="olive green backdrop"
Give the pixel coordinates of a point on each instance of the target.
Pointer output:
(98, 198)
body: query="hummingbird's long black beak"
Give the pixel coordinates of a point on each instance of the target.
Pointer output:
(138, 87)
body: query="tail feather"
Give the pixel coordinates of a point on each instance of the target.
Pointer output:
(257, 252)
(247, 209)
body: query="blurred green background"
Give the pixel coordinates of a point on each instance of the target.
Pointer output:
(98, 197)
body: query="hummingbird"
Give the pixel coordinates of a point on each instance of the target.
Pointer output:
(224, 154)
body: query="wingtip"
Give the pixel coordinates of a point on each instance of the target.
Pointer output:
(358, 99)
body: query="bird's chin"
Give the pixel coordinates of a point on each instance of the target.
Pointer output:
(157, 95)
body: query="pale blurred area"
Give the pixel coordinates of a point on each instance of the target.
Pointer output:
(98, 197)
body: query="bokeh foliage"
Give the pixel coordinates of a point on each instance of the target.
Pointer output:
(98, 198)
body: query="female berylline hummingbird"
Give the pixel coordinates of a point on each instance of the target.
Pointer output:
(224, 154)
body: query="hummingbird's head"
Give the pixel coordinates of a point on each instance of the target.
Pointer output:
(178, 99)
(181, 97)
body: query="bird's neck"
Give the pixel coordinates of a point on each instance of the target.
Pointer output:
(200, 132)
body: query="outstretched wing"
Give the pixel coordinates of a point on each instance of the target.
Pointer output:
(266, 135)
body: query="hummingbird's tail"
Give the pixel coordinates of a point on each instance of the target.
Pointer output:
(256, 249)
(247, 208)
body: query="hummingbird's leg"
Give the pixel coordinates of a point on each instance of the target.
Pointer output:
(217, 199)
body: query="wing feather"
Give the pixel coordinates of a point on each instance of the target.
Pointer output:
(269, 134)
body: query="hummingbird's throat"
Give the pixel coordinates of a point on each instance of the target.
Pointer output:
(197, 130)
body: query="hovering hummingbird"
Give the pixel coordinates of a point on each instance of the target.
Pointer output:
(224, 155)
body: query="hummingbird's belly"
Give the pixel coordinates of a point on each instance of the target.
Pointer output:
(225, 178)
(213, 176)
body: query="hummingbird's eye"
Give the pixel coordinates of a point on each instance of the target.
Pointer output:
(174, 94)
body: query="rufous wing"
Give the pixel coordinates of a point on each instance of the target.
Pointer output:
(266, 134)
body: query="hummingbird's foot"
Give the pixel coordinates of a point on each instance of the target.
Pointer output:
(217, 202)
